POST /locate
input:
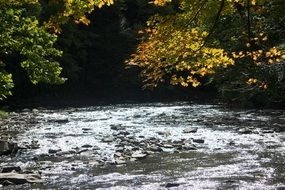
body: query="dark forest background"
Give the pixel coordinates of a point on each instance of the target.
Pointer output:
(93, 63)
(94, 57)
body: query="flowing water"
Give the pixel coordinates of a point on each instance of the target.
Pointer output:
(233, 149)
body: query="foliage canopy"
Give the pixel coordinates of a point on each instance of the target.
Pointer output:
(230, 42)
(25, 39)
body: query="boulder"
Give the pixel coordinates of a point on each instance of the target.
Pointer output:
(7, 148)
(17, 179)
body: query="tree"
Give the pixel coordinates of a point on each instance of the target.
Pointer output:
(21, 35)
(24, 35)
(230, 42)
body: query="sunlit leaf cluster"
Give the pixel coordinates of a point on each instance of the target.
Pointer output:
(22, 35)
(177, 54)
(75, 10)
(160, 2)
(232, 42)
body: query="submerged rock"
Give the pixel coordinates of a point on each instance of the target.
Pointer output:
(53, 151)
(115, 126)
(95, 163)
(120, 149)
(189, 147)
(17, 179)
(167, 146)
(7, 148)
(86, 129)
(124, 133)
(168, 185)
(244, 131)
(62, 121)
(133, 159)
(155, 149)
(198, 140)
(86, 146)
(8, 169)
(164, 133)
(82, 150)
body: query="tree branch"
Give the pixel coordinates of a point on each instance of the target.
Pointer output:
(214, 25)
(199, 10)
(248, 21)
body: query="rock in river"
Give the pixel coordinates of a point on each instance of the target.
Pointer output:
(17, 179)
(138, 155)
(53, 151)
(244, 131)
(8, 169)
(169, 185)
(61, 121)
(164, 133)
(189, 147)
(190, 130)
(155, 148)
(108, 139)
(115, 126)
(120, 162)
(86, 146)
(198, 140)
(8, 147)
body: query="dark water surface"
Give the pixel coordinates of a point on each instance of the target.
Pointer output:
(242, 149)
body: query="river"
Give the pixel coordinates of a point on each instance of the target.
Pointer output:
(151, 146)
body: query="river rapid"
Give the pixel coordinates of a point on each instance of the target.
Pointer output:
(149, 146)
